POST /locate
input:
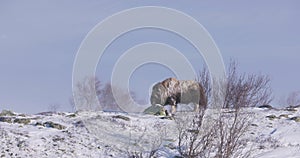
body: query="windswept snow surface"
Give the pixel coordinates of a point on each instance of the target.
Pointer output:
(109, 134)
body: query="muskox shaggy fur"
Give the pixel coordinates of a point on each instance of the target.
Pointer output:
(172, 91)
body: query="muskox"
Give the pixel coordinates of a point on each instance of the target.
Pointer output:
(172, 91)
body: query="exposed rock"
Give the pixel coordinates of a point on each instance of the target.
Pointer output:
(7, 113)
(79, 124)
(71, 115)
(24, 121)
(49, 113)
(297, 118)
(297, 106)
(292, 109)
(38, 124)
(272, 117)
(60, 113)
(254, 125)
(284, 116)
(178, 156)
(6, 119)
(167, 117)
(193, 131)
(57, 138)
(22, 115)
(266, 106)
(53, 125)
(121, 117)
(229, 111)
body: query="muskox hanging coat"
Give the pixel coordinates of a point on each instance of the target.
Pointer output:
(172, 91)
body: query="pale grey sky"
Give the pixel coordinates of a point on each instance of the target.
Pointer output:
(39, 41)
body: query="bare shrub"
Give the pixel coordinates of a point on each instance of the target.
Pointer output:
(193, 139)
(231, 127)
(145, 148)
(293, 99)
(107, 99)
(86, 93)
(141, 154)
(203, 79)
(246, 90)
(218, 133)
(214, 135)
(135, 154)
(103, 99)
(267, 141)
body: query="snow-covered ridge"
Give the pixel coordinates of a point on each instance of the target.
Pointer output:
(273, 133)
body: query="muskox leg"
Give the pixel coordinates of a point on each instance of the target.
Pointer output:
(196, 107)
(167, 113)
(167, 110)
(173, 109)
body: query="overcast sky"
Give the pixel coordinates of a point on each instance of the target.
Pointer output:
(39, 41)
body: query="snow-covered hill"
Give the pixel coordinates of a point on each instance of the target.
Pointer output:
(273, 133)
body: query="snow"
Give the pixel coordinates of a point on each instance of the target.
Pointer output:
(284, 152)
(113, 134)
